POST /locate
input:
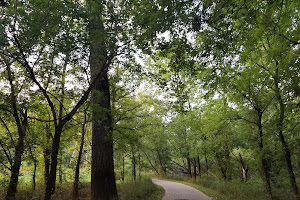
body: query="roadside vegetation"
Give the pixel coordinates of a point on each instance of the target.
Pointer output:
(141, 189)
(233, 190)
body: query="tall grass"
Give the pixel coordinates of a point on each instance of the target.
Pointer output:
(142, 189)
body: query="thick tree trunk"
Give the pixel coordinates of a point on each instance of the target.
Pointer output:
(50, 185)
(103, 178)
(77, 169)
(103, 184)
(199, 166)
(15, 170)
(189, 170)
(287, 153)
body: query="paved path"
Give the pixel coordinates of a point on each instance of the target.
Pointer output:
(178, 191)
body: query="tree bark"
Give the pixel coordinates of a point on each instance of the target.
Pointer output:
(103, 178)
(287, 153)
(77, 169)
(103, 184)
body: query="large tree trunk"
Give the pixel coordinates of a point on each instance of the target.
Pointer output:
(50, 185)
(77, 169)
(287, 153)
(103, 185)
(15, 170)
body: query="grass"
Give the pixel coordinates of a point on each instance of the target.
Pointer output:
(142, 189)
(231, 190)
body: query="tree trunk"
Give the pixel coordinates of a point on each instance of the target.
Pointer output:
(123, 168)
(195, 168)
(47, 155)
(206, 164)
(264, 162)
(244, 168)
(34, 175)
(133, 165)
(151, 163)
(161, 163)
(19, 148)
(140, 167)
(15, 170)
(103, 184)
(60, 170)
(50, 185)
(199, 166)
(287, 153)
(103, 177)
(189, 171)
(77, 169)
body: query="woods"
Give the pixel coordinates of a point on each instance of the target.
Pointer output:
(96, 94)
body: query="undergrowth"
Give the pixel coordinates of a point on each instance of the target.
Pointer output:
(143, 189)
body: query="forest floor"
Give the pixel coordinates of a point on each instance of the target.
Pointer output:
(180, 191)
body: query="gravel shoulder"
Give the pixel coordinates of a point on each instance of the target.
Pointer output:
(178, 191)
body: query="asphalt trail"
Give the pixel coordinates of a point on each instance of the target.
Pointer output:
(178, 191)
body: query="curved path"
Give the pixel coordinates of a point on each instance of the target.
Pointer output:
(178, 191)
